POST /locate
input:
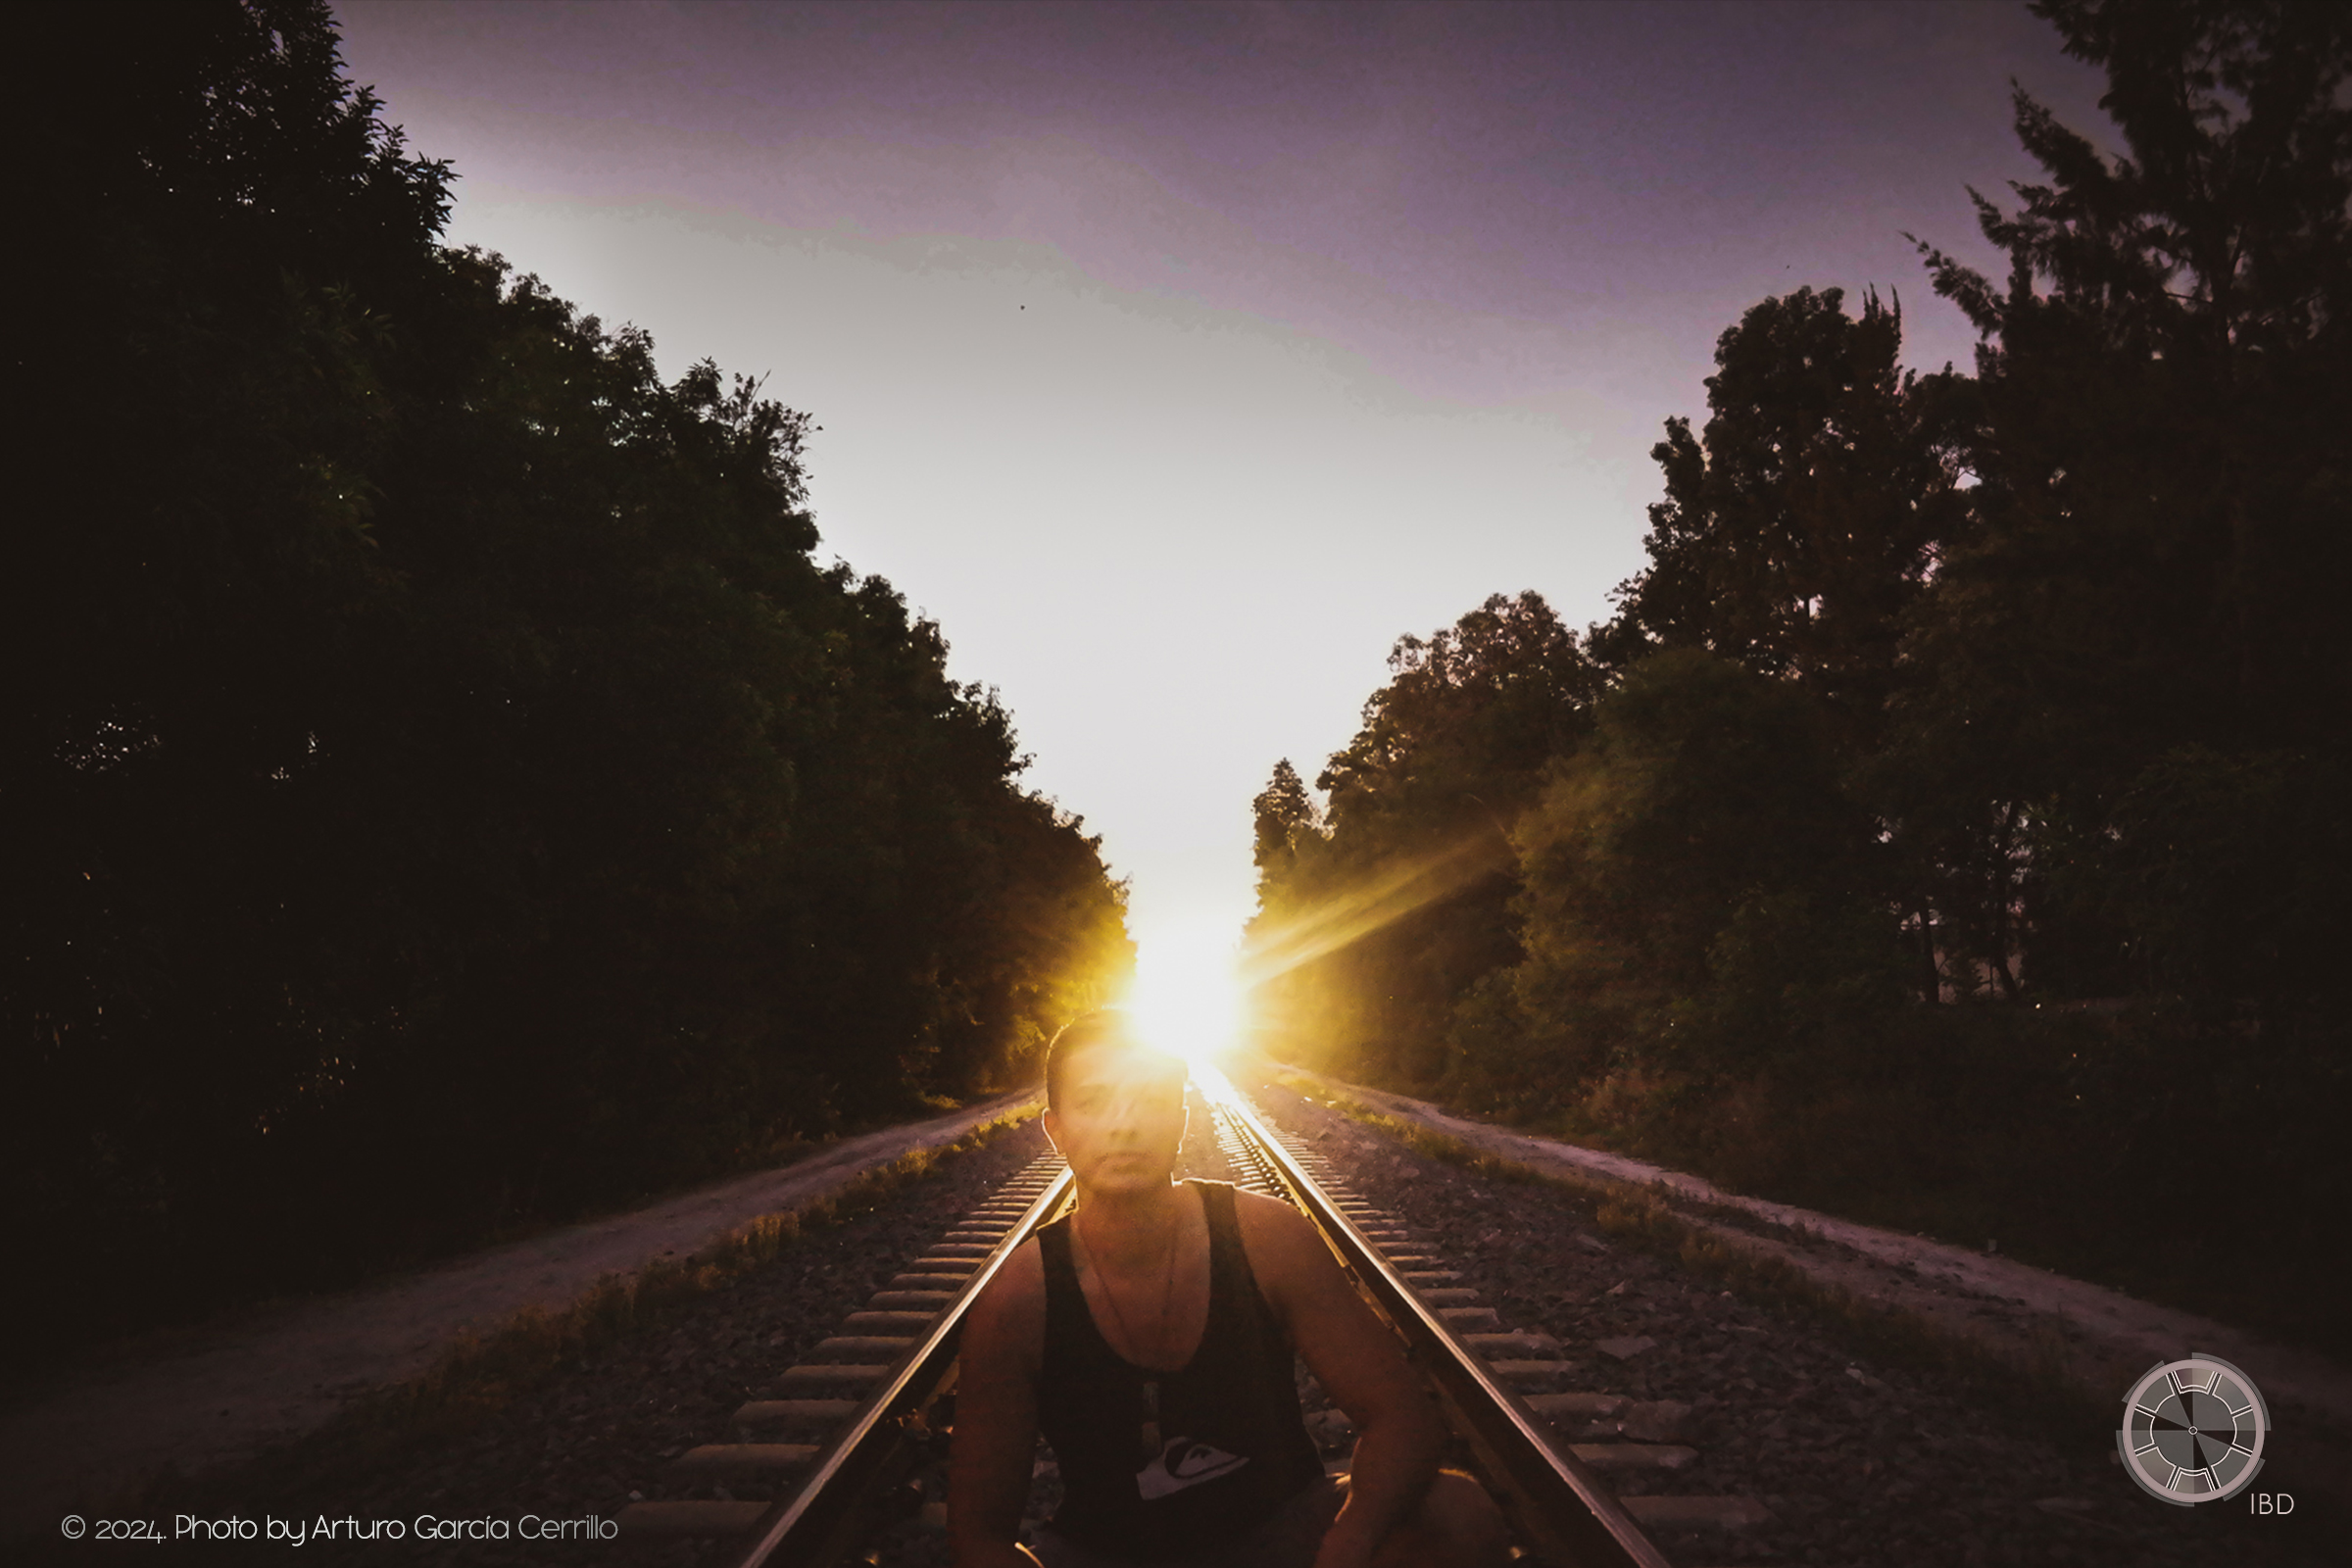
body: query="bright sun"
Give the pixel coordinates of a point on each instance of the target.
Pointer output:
(1185, 999)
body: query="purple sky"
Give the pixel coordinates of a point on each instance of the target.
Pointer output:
(1179, 358)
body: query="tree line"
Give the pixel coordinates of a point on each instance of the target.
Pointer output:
(1949, 821)
(443, 789)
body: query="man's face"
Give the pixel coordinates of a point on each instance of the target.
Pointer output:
(1120, 1119)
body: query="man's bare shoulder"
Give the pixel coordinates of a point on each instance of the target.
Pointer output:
(1260, 1214)
(1020, 1284)
(1009, 1318)
(1282, 1244)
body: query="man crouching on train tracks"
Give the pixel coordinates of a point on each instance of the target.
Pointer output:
(1148, 1336)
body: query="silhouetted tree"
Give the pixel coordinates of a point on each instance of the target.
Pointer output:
(1692, 879)
(1795, 534)
(2030, 685)
(1282, 811)
(441, 791)
(2164, 454)
(1397, 898)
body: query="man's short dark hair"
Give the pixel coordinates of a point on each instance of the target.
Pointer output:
(1090, 1031)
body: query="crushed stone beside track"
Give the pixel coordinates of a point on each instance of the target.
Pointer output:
(215, 1396)
(1862, 1463)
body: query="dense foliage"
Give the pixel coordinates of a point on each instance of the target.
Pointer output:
(1393, 897)
(1950, 824)
(442, 790)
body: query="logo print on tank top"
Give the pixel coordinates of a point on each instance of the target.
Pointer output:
(1178, 1463)
(1185, 1463)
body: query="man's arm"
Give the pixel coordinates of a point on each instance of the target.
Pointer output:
(1360, 1365)
(995, 1440)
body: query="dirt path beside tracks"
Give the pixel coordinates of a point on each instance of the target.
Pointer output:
(217, 1395)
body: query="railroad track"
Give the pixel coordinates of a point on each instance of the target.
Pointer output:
(850, 1427)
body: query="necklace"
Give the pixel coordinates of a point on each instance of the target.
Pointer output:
(1167, 1288)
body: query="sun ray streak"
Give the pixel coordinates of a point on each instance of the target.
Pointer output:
(1389, 894)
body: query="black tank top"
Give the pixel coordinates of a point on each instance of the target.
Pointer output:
(1158, 1464)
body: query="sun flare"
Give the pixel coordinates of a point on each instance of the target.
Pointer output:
(1186, 998)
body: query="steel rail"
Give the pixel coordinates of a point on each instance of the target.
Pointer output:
(1561, 1509)
(811, 1526)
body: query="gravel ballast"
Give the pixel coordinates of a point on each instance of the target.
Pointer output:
(578, 1447)
(1859, 1461)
